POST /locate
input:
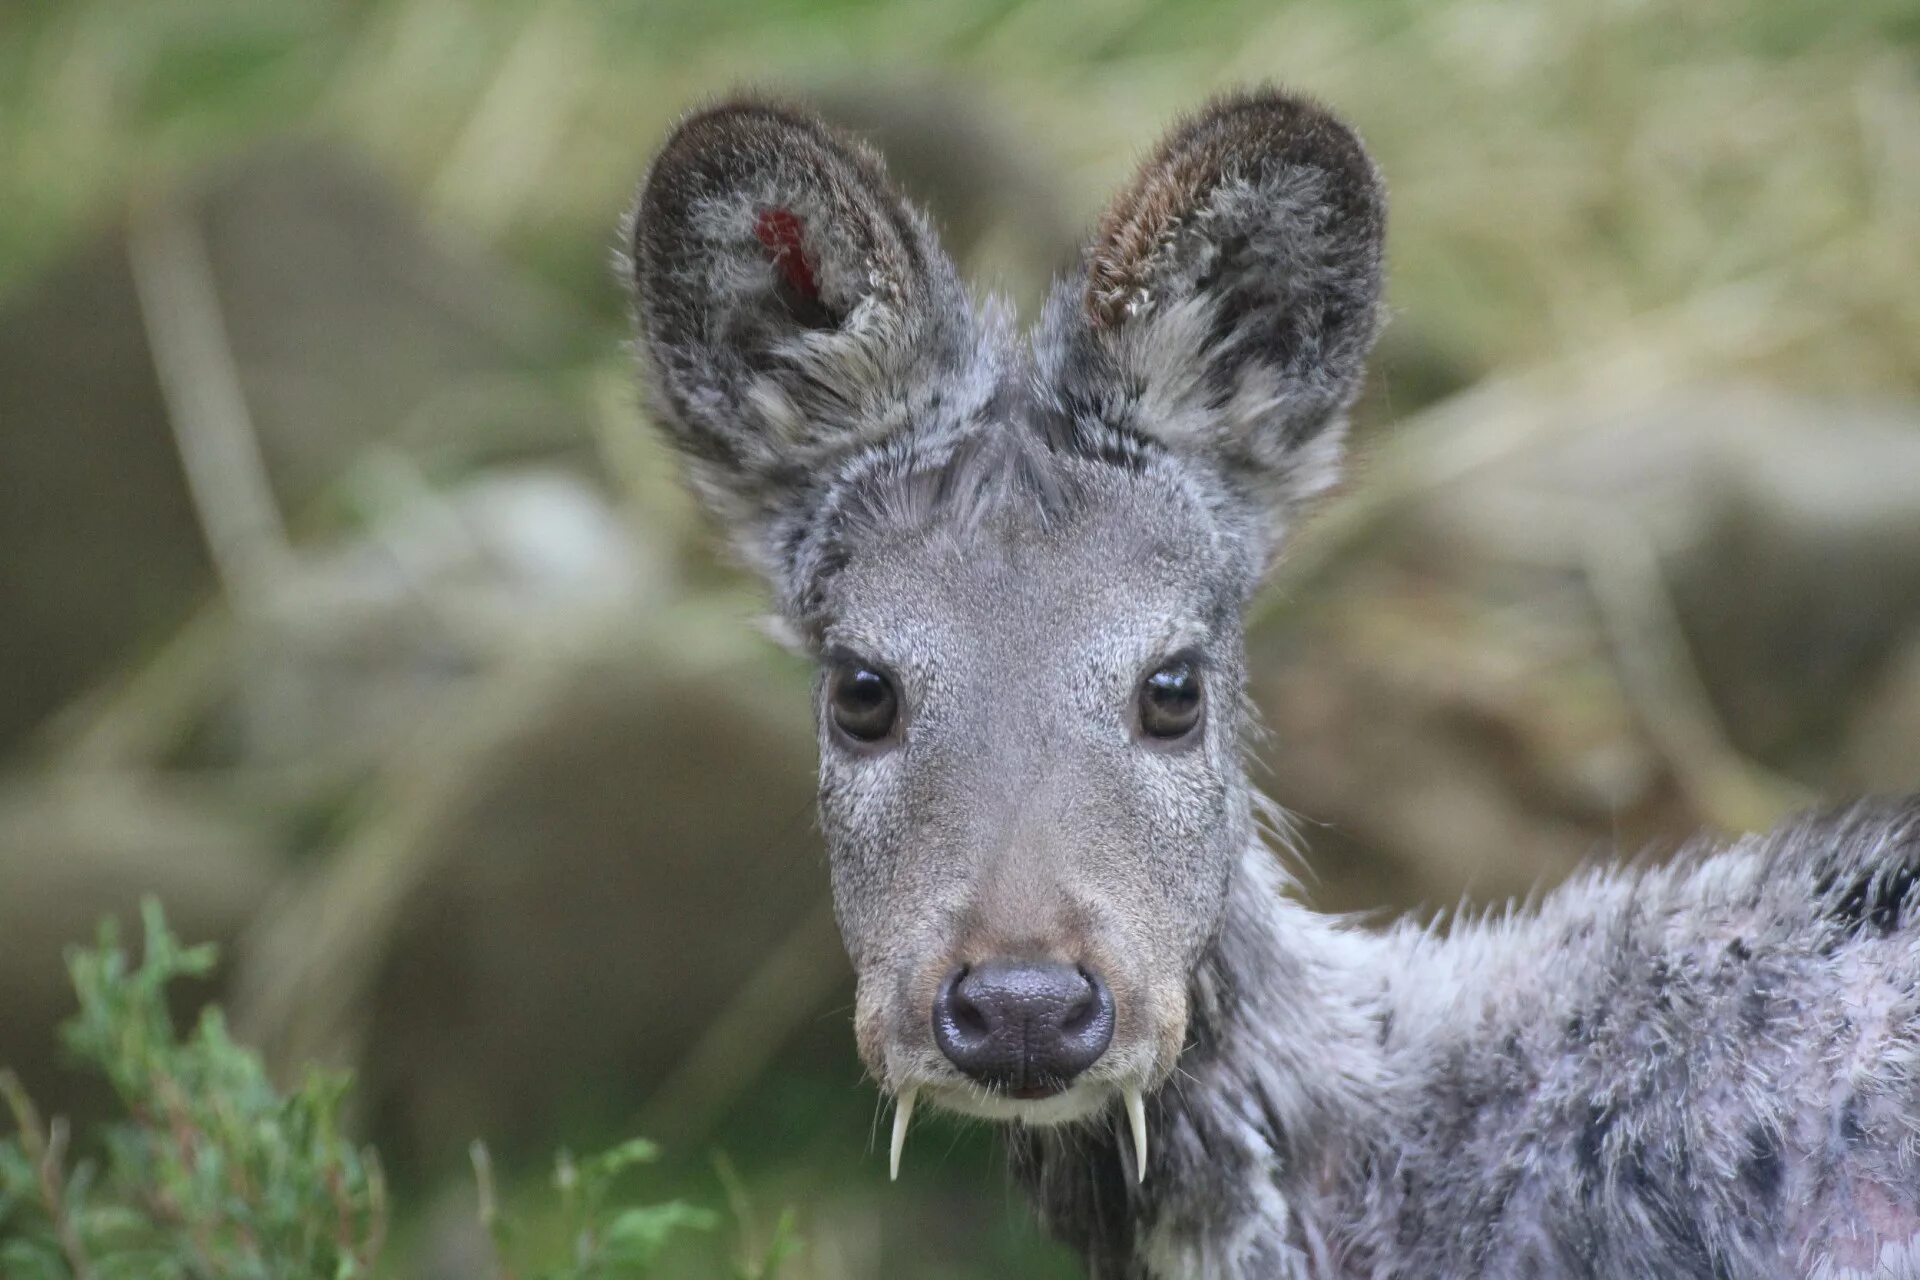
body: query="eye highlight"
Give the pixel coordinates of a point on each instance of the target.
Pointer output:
(1171, 699)
(861, 701)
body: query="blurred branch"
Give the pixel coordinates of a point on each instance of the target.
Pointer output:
(496, 163)
(307, 961)
(1496, 419)
(140, 713)
(1663, 685)
(1653, 661)
(206, 407)
(47, 1153)
(783, 992)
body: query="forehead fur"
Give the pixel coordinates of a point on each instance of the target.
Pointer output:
(1009, 491)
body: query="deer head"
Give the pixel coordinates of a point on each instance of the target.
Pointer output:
(1021, 560)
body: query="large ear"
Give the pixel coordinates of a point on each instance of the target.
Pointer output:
(1231, 295)
(795, 314)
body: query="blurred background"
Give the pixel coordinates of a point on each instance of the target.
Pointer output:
(347, 603)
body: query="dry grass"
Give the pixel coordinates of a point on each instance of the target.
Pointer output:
(1561, 171)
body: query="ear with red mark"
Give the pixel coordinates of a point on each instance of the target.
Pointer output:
(793, 310)
(778, 232)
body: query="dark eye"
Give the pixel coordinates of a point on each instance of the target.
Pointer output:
(862, 701)
(1170, 701)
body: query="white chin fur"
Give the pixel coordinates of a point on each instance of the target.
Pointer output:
(1075, 1103)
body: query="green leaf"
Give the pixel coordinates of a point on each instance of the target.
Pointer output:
(629, 1153)
(31, 1260)
(635, 1236)
(785, 1244)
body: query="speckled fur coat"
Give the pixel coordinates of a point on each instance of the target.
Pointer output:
(1708, 1070)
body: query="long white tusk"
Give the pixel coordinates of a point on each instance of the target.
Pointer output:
(902, 1113)
(1137, 1118)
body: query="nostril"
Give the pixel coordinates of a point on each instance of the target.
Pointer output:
(1084, 1007)
(961, 1026)
(1085, 1035)
(967, 1017)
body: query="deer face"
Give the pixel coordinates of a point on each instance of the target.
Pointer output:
(1021, 563)
(1029, 789)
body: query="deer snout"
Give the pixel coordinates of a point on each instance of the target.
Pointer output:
(1026, 1027)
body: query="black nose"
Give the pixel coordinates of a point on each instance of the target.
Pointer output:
(1023, 1027)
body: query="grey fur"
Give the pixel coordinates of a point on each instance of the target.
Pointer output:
(1710, 1069)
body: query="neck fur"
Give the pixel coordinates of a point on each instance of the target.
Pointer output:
(1277, 1089)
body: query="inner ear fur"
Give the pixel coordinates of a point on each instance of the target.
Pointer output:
(752, 184)
(1272, 183)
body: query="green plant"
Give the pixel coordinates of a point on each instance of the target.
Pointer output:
(213, 1172)
(611, 1243)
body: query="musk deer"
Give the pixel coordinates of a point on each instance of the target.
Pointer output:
(1021, 560)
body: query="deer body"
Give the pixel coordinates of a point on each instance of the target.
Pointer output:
(1702, 1070)
(1021, 562)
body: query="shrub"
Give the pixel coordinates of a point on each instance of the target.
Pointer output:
(213, 1172)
